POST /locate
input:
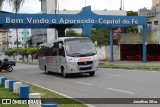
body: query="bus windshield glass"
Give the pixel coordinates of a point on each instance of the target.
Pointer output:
(79, 48)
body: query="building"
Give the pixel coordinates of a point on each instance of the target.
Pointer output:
(131, 44)
(23, 35)
(153, 16)
(43, 35)
(3, 39)
(155, 2)
(49, 7)
(39, 36)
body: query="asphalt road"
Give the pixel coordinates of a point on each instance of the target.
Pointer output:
(107, 83)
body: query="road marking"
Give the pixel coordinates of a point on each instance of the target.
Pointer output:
(43, 75)
(56, 78)
(83, 83)
(113, 75)
(32, 73)
(120, 90)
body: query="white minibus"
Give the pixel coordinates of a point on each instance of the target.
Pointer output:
(68, 55)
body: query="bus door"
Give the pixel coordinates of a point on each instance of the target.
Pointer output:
(52, 57)
(41, 58)
(60, 59)
(41, 62)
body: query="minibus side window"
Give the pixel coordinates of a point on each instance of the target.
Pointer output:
(61, 51)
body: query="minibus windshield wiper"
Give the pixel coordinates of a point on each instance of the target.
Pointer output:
(90, 53)
(74, 54)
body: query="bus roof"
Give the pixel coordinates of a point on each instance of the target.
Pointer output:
(61, 39)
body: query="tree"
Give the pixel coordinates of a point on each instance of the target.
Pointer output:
(132, 13)
(1, 1)
(24, 52)
(72, 33)
(10, 52)
(16, 5)
(32, 51)
(133, 29)
(101, 36)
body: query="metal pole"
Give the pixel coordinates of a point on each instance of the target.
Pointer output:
(120, 4)
(111, 45)
(7, 40)
(144, 44)
(123, 4)
(17, 38)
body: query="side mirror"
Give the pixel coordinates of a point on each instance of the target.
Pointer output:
(60, 45)
(95, 43)
(40, 48)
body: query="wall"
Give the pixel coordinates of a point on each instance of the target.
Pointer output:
(104, 52)
(136, 38)
(154, 2)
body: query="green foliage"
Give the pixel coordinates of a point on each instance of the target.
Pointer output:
(101, 36)
(24, 52)
(1, 1)
(15, 4)
(133, 29)
(72, 33)
(10, 52)
(132, 13)
(28, 51)
(32, 51)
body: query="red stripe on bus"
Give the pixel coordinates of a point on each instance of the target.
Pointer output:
(49, 59)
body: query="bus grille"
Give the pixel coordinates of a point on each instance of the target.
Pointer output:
(85, 65)
(86, 68)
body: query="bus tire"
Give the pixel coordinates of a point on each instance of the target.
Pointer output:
(92, 73)
(45, 68)
(63, 73)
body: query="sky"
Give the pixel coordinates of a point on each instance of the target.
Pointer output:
(33, 6)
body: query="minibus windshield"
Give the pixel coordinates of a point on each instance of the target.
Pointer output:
(79, 48)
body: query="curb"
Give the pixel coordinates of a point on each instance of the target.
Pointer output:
(89, 105)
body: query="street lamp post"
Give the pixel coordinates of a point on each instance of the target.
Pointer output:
(17, 38)
(7, 39)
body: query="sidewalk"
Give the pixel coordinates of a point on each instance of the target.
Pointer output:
(132, 63)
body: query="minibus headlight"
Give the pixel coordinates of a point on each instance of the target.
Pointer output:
(95, 61)
(71, 63)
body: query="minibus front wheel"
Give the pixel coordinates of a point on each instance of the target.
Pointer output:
(63, 72)
(92, 73)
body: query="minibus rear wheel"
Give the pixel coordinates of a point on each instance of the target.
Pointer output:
(46, 71)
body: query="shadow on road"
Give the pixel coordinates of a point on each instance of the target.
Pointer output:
(69, 76)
